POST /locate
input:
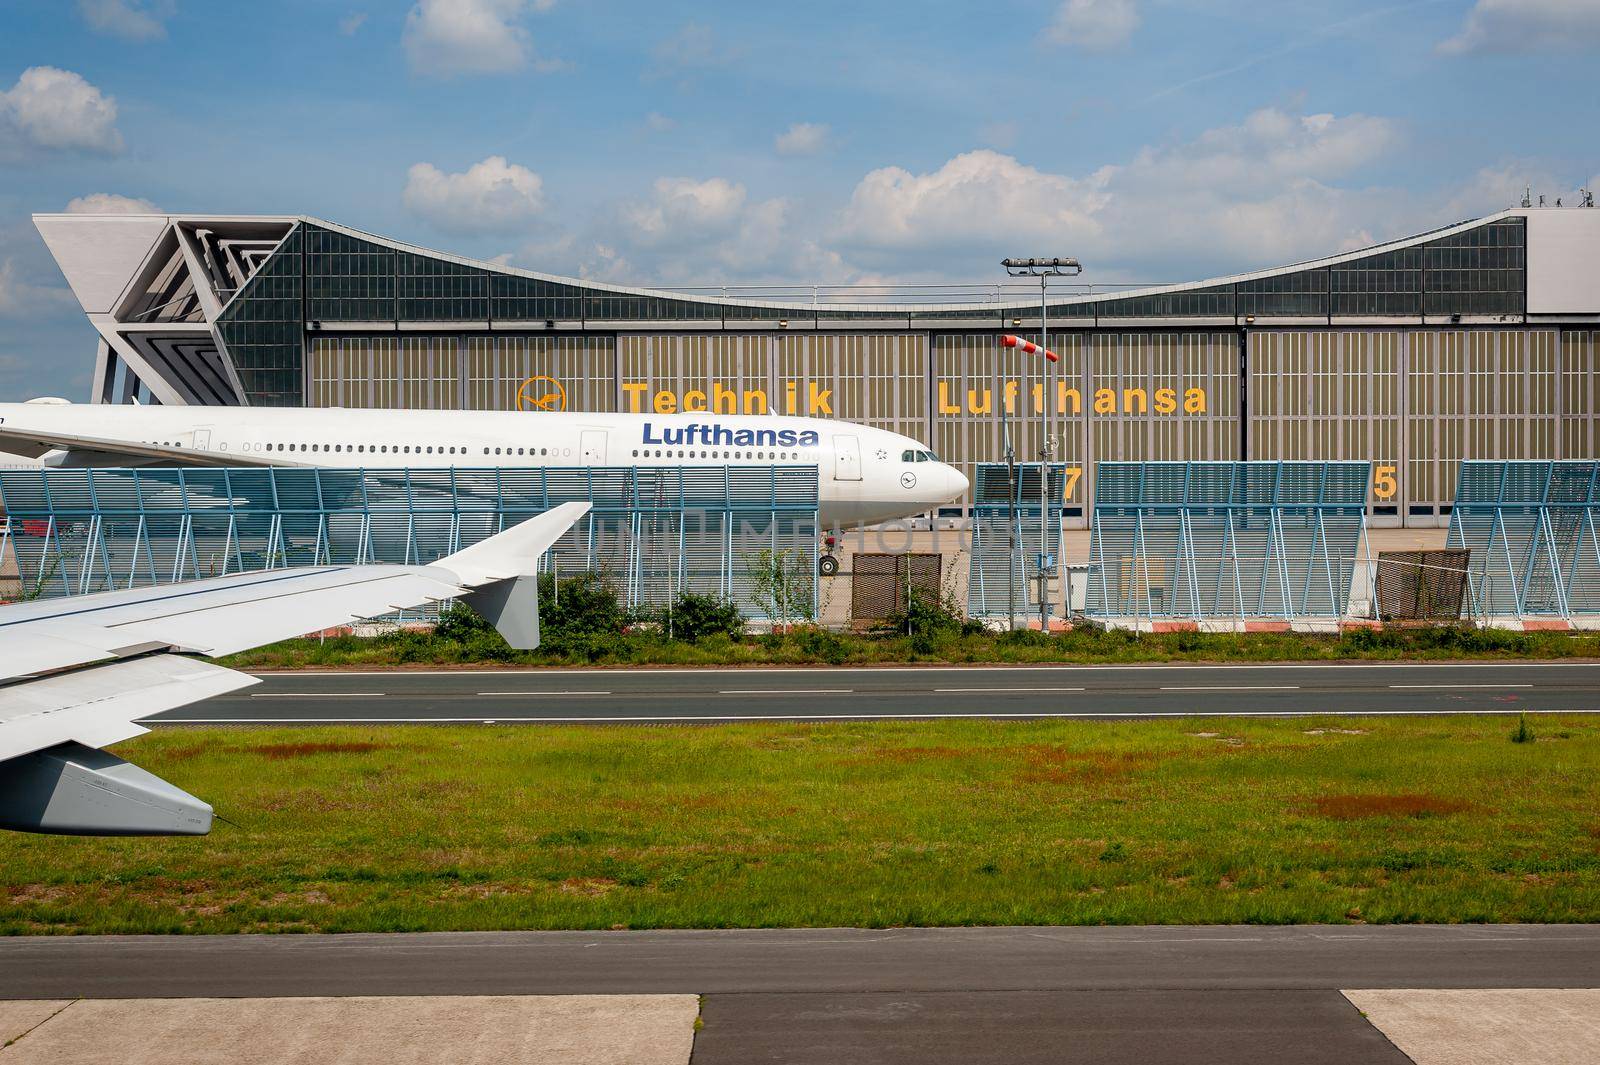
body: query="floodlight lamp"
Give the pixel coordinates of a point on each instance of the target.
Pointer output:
(1057, 266)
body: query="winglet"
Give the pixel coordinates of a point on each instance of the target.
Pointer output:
(514, 552)
(500, 572)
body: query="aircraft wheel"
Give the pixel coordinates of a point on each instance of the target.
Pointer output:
(827, 565)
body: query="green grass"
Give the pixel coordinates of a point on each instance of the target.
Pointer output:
(870, 824)
(817, 646)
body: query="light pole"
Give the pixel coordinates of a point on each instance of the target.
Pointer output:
(1044, 270)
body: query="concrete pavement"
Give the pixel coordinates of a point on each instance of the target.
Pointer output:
(1488, 1027)
(1140, 995)
(821, 694)
(547, 1030)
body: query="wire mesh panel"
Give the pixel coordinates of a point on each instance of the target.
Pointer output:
(1225, 539)
(1531, 528)
(1011, 527)
(654, 532)
(883, 584)
(1422, 585)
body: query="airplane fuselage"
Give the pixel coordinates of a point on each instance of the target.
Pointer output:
(865, 474)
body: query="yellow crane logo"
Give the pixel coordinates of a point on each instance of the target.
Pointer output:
(541, 393)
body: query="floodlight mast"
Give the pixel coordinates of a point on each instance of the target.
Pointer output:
(1044, 270)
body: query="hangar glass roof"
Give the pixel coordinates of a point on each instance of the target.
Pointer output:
(1470, 269)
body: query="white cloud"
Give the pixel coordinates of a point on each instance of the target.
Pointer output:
(659, 123)
(110, 203)
(972, 200)
(1527, 26)
(351, 23)
(56, 110)
(682, 207)
(1094, 25)
(488, 197)
(1260, 192)
(443, 38)
(802, 138)
(1276, 187)
(688, 231)
(128, 19)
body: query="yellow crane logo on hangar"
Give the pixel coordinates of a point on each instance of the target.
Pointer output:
(541, 393)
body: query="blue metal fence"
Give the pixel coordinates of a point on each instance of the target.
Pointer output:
(1532, 530)
(1008, 509)
(1206, 540)
(654, 531)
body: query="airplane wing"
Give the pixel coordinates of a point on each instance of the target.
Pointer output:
(32, 442)
(80, 671)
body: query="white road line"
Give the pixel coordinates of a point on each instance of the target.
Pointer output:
(1011, 689)
(319, 695)
(545, 693)
(1232, 688)
(1461, 685)
(1264, 714)
(782, 691)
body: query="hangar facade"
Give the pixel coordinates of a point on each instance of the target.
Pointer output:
(1480, 340)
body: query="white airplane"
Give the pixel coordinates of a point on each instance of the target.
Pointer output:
(864, 474)
(79, 672)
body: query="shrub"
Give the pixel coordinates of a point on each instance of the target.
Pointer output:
(927, 617)
(1522, 733)
(585, 604)
(783, 585)
(462, 624)
(1026, 638)
(822, 644)
(695, 617)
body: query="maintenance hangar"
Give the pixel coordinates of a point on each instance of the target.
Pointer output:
(1474, 341)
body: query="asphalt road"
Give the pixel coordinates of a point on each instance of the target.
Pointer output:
(712, 695)
(969, 995)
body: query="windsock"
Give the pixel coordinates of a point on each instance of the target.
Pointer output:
(1028, 346)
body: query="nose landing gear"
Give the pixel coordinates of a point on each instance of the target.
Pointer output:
(827, 562)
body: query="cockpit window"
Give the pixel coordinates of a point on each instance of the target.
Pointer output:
(913, 455)
(908, 456)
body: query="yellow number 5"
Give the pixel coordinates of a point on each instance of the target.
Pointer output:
(1384, 486)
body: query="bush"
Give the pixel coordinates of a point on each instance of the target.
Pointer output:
(462, 624)
(695, 617)
(927, 617)
(583, 605)
(1026, 638)
(822, 644)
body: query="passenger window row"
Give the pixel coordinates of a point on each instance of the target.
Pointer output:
(737, 456)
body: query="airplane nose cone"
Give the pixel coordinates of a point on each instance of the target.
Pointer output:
(949, 484)
(959, 485)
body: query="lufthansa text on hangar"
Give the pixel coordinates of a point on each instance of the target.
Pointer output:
(1478, 340)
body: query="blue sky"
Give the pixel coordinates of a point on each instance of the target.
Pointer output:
(753, 143)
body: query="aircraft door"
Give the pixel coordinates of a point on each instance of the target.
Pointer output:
(592, 444)
(202, 439)
(846, 458)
